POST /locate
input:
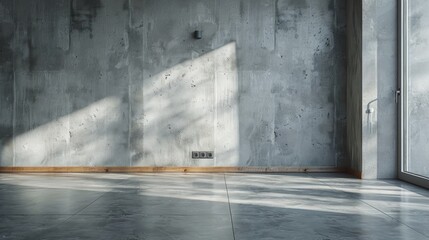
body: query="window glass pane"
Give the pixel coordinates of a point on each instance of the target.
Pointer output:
(418, 87)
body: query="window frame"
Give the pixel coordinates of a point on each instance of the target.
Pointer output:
(403, 100)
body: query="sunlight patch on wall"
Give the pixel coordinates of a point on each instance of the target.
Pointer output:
(192, 107)
(80, 138)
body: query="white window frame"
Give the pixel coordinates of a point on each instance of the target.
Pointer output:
(403, 100)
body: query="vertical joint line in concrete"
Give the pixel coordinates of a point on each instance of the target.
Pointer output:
(229, 206)
(215, 105)
(129, 85)
(276, 15)
(14, 86)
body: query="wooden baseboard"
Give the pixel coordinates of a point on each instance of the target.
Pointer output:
(357, 174)
(170, 169)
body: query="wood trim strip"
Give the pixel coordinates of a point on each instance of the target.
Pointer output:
(170, 169)
(355, 173)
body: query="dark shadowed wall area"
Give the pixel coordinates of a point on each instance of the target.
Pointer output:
(124, 83)
(354, 84)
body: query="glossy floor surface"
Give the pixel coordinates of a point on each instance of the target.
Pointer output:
(209, 206)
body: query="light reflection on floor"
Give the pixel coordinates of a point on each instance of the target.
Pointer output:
(209, 206)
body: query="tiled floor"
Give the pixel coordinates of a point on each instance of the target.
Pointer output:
(210, 206)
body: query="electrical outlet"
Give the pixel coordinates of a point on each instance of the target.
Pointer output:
(195, 155)
(202, 154)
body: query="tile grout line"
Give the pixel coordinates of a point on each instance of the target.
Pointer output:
(79, 211)
(71, 215)
(425, 195)
(229, 206)
(393, 218)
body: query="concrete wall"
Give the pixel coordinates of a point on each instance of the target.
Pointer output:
(123, 83)
(6, 75)
(387, 78)
(371, 85)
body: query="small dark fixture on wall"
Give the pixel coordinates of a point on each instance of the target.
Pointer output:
(202, 154)
(198, 34)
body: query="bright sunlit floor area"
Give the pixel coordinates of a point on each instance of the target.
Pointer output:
(210, 206)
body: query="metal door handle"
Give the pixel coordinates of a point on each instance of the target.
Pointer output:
(397, 95)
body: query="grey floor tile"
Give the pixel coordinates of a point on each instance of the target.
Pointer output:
(151, 203)
(45, 201)
(401, 201)
(155, 227)
(27, 226)
(308, 207)
(167, 194)
(311, 224)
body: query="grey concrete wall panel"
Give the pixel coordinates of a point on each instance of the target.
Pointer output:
(302, 82)
(75, 110)
(134, 35)
(387, 19)
(124, 83)
(369, 89)
(340, 89)
(7, 26)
